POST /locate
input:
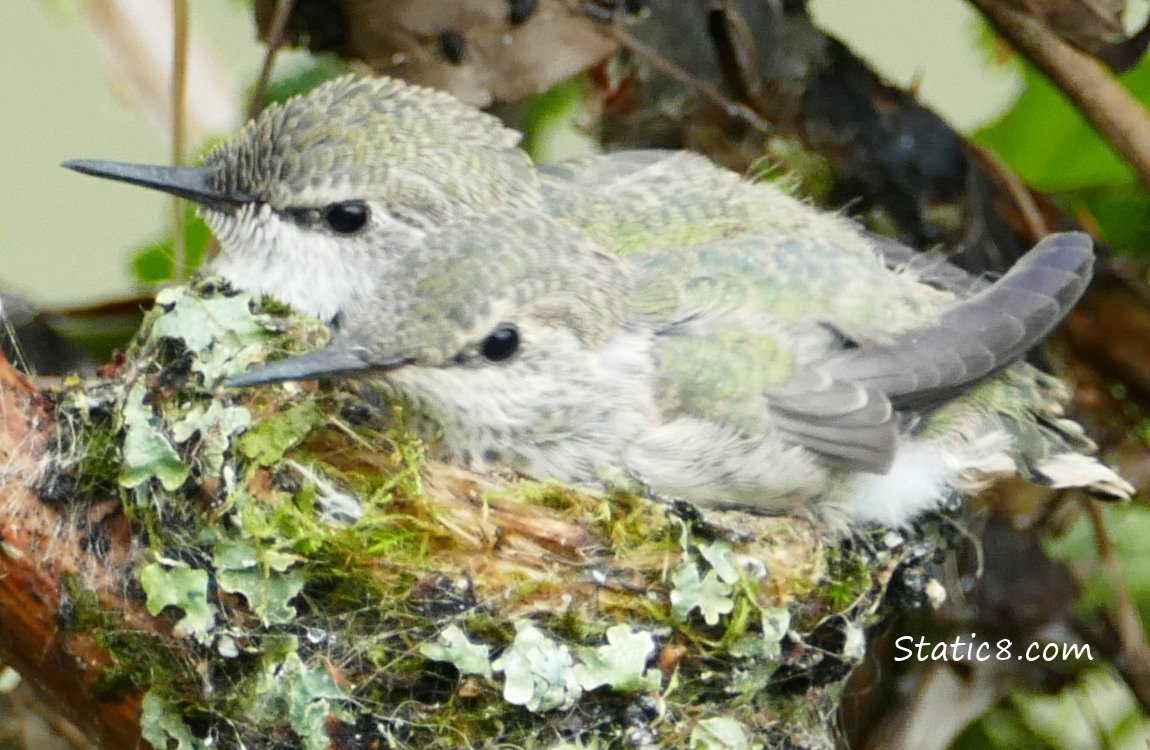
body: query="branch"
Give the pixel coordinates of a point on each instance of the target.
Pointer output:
(46, 559)
(1114, 113)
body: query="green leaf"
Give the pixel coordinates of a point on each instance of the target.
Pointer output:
(146, 451)
(620, 664)
(1050, 145)
(173, 584)
(537, 671)
(554, 123)
(1047, 142)
(1120, 211)
(710, 595)
(267, 442)
(304, 78)
(453, 647)
(154, 263)
(1129, 530)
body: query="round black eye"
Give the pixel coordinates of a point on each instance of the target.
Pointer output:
(347, 217)
(501, 344)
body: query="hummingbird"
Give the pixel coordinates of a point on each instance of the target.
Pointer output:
(316, 199)
(514, 339)
(641, 312)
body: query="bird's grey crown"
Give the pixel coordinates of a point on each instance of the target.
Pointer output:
(355, 133)
(500, 263)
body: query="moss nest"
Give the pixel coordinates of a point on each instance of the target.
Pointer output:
(324, 583)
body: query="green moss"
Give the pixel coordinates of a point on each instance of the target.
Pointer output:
(849, 578)
(88, 442)
(80, 609)
(143, 659)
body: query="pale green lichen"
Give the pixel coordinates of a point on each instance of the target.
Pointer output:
(709, 594)
(161, 724)
(171, 583)
(538, 671)
(263, 576)
(720, 733)
(147, 452)
(268, 440)
(220, 330)
(306, 696)
(453, 647)
(621, 664)
(718, 555)
(215, 425)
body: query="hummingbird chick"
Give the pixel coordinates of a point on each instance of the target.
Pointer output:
(514, 339)
(642, 312)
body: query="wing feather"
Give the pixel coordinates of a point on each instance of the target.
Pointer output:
(979, 336)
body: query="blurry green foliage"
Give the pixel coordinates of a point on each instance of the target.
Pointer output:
(556, 123)
(304, 77)
(1052, 147)
(154, 263)
(1129, 530)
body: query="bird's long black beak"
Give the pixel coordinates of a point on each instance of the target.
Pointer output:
(186, 182)
(333, 361)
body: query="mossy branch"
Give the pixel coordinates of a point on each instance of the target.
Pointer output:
(51, 581)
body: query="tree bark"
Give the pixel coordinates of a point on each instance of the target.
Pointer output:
(46, 564)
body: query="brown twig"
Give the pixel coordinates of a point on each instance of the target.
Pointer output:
(686, 78)
(1021, 198)
(27, 700)
(1127, 621)
(180, 34)
(275, 41)
(1101, 99)
(42, 554)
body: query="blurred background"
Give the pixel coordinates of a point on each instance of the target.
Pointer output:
(928, 127)
(69, 99)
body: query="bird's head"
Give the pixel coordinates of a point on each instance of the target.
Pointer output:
(497, 330)
(313, 200)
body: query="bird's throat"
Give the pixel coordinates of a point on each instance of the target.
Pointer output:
(313, 273)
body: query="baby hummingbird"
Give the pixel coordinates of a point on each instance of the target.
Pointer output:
(515, 339)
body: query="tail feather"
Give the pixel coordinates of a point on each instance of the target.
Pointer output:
(980, 335)
(1076, 470)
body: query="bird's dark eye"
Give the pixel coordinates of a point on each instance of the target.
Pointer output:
(348, 217)
(501, 344)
